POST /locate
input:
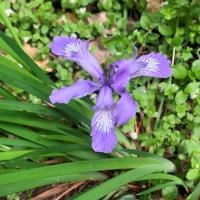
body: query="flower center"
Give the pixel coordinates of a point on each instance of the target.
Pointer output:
(109, 77)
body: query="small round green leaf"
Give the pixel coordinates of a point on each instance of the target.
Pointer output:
(179, 72)
(177, 40)
(193, 174)
(145, 21)
(170, 192)
(181, 97)
(196, 68)
(165, 30)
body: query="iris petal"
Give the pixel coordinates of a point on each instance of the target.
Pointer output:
(105, 97)
(122, 74)
(125, 109)
(154, 65)
(103, 129)
(78, 51)
(80, 89)
(103, 133)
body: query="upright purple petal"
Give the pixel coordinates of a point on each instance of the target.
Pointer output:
(154, 65)
(124, 63)
(80, 89)
(116, 66)
(103, 133)
(121, 72)
(120, 78)
(105, 97)
(125, 109)
(78, 51)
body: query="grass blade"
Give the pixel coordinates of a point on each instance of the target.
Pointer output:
(150, 155)
(158, 187)
(28, 119)
(30, 107)
(18, 142)
(195, 194)
(79, 167)
(20, 78)
(8, 24)
(164, 177)
(118, 181)
(8, 44)
(62, 150)
(27, 134)
(13, 154)
(6, 94)
(13, 188)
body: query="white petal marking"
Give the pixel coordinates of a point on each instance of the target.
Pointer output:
(71, 48)
(103, 120)
(152, 65)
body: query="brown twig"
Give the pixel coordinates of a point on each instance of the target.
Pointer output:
(51, 192)
(54, 161)
(70, 189)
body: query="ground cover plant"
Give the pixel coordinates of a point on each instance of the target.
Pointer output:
(44, 144)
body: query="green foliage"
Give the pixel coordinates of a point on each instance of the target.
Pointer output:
(169, 112)
(33, 133)
(170, 192)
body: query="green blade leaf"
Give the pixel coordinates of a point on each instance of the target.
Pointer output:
(79, 111)
(13, 188)
(28, 119)
(195, 194)
(168, 163)
(6, 21)
(79, 167)
(164, 176)
(118, 181)
(8, 44)
(18, 142)
(20, 78)
(13, 154)
(158, 187)
(6, 94)
(30, 107)
(27, 134)
(62, 150)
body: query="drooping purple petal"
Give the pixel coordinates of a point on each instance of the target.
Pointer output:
(80, 89)
(105, 97)
(154, 65)
(78, 51)
(103, 133)
(125, 109)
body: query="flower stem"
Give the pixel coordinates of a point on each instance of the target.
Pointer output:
(163, 98)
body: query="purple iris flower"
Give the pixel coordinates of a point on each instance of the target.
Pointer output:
(108, 113)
